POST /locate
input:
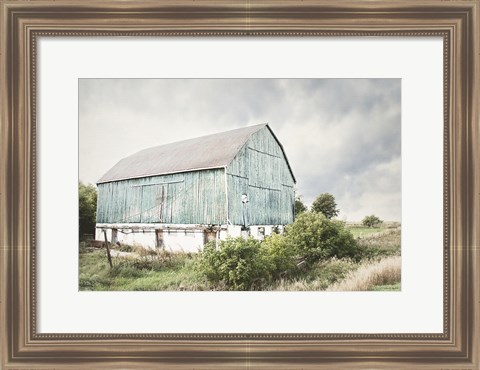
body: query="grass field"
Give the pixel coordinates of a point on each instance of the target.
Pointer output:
(364, 231)
(163, 271)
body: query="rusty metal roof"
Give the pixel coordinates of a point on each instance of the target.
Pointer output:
(211, 151)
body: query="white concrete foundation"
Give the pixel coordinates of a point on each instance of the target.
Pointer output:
(176, 238)
(173, 240)
(234, 231)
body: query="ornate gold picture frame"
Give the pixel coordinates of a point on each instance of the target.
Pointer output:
(23, 22)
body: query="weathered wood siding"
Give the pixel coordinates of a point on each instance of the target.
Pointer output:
(196, 197)
(260, 170)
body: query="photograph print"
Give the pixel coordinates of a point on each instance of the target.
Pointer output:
(239, 184)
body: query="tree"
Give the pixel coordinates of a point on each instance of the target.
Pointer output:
(299, 206)
(371, 221)
(87, 208)
(325, 203)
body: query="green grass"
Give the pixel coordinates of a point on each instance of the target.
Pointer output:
(138, 274)
(391, 287)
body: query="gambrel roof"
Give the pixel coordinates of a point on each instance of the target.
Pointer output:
(211, 151)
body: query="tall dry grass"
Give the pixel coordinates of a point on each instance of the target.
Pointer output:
(384, 272)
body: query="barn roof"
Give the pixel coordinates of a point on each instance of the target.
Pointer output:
(211, 151)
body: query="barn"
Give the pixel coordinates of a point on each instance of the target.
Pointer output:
(180, 195)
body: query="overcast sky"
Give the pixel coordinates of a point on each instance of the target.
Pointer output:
(341, 136)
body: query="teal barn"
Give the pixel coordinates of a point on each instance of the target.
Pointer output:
(180, 195)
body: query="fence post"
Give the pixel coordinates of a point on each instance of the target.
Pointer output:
(108, 249)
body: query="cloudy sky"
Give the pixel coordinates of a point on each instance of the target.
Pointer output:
(341, 136)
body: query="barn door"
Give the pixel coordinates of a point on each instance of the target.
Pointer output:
(153, 203)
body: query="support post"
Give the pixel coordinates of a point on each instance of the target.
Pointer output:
(209, 235)
(159, 239)
(108, 249)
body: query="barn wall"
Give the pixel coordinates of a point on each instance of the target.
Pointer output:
(260, 170)
(196, 197)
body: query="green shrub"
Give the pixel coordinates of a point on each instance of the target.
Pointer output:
(281, 254)
(317, 238)
(237, 264)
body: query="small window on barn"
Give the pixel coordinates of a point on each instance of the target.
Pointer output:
(244, 211)
(261, 231)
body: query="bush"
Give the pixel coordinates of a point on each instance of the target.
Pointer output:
(317, 238)
(281, 254)
(238, 264)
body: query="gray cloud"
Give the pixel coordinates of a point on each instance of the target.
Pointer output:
(341, 135)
